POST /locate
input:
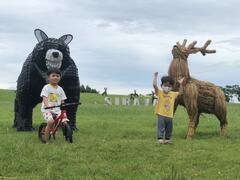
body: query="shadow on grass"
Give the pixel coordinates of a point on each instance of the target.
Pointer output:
(206, 135)
(200, 135)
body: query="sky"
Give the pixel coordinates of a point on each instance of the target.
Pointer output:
(119, 44)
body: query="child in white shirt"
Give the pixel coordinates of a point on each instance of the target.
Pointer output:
(53, 95)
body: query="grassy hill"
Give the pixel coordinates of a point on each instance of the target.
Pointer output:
(119, 143)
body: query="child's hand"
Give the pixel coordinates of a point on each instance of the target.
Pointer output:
(180, 81)
(155, 74)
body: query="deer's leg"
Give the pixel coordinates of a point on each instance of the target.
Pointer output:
(223, 129)
(222, 117)
(197, 122)
(191, 128)
(221, 111)
(175, 106)
(190, 102)
(192, 125)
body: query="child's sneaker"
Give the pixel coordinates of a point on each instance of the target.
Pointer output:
(161, 141)
(168, 141)
(45, 142)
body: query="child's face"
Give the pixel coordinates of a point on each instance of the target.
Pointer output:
(166, 87)
(54, 78)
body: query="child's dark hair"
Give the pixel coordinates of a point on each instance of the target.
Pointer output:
(168, 79)
(54, 70)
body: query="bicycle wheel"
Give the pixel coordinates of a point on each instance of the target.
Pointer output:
(41, 132)
(67, 133)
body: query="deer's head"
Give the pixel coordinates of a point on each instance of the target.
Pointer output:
(182, 51)
(179, 65)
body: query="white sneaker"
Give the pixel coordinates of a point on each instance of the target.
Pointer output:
(161, 141)
(168, 141)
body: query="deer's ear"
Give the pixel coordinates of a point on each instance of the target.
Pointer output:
(40, 35)
(67, 38)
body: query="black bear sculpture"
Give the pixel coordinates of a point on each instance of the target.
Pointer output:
(48, 53)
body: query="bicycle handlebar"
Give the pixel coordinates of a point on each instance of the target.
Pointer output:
(64, 105)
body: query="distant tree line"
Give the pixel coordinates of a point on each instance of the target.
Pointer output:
(230, 91)
(87, 89)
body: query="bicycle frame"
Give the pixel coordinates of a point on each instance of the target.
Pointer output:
(67, 131)
(57, 122)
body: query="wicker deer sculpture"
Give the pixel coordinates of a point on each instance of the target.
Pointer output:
(198, 96)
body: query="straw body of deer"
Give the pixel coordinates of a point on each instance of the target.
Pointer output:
(198, 96)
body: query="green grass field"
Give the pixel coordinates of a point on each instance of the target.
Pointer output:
(119, 143)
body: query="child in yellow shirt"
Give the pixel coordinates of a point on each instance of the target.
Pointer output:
(165, 107)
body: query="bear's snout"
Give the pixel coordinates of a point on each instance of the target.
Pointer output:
(55, 54)
(54, 58)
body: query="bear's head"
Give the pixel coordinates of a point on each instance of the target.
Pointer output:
(51, 52)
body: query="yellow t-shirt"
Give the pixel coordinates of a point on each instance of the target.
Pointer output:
(165, 105)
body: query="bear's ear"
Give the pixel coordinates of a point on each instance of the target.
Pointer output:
(67, 38)
(40, 35)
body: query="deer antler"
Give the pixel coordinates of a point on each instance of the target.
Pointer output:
(204, 49)
(191, 49)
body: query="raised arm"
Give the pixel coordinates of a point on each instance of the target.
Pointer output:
(180, 81)
(155, 82)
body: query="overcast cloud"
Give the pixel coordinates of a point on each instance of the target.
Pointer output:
(119, 44)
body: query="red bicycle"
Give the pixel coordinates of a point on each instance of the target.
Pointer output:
(58, 122)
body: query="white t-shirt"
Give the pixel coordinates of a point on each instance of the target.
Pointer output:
(55, 95)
